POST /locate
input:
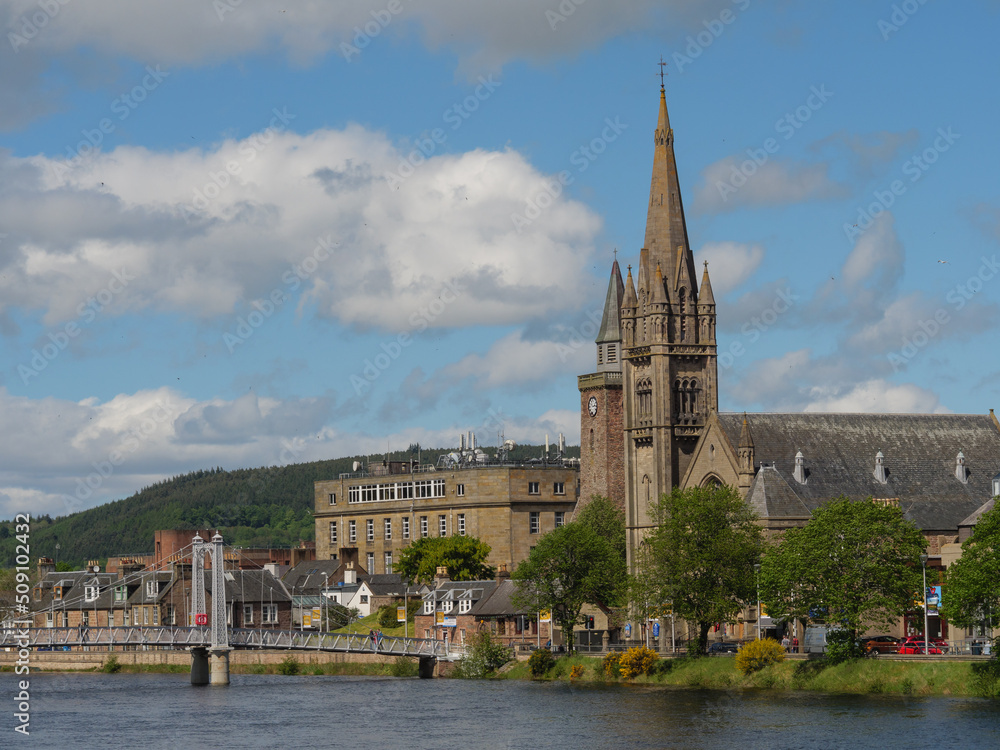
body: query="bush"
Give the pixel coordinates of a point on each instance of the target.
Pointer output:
(636, 661)
(387, 616)
(484, 656)
(540, 662)
(841, 645)
(289, 665)
(612, 664)
(403, 667)
(111, 665)
(576, 672)
(758, 654)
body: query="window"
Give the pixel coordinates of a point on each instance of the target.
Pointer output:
(406, 528)
(333, 498)
(442, 525)
(428, 607)
(533, 521)
(533, 488)
(423, 525)
(247, 614)
(111, 618)
(120, 593)
(85, 618)
(145, 615)
(560, 518)
(269, 614)
(388, 528)
(126, 620)
(446, 606)
(364, 598)
(461, 524)
(91, 593)
(370, 526)
(388, 563)
(464, 606)
(333, 532)
(152, 589)
(48, 619)
(371, 563)
(460, 490)
(170, 615)
(135, 616)
(559, 488)
(352, 527)
(156, 615)
(57, 592)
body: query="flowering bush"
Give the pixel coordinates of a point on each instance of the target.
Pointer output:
(759, 654)
(637, 661)
(612, 664)
(540, 662)
(576, 672)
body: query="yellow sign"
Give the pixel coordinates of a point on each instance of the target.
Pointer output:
(307, 621)
(400, 614)
(439, 619)
(317, 613)
(545, 616)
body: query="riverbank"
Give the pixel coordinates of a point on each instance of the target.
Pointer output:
(861, 676)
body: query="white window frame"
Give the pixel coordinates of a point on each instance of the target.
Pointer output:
(460, 490)
(464, 606)
(424, 530)
(370, 529)
(461, 524)
(533, 488)
(333, 498)
(428, 606)
(248, 614)
(387, 528)
(352, 527)
(442, 526)
(406, 528)
(269, 614)
(558, 488)
(388, 563)
(371, 563)
(560, 518)
(48, 620)
(534, 522)
(151, 589)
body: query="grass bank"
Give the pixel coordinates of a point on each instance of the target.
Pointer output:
(862, 676)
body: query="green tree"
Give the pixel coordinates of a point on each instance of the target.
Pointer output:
(463, 556)
(569, 567)
(857, 562)
(607, 519)
(972, 583)
(700, 556)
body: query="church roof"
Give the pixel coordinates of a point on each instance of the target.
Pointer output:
(771, 497)
(839, 450)
(610, 323)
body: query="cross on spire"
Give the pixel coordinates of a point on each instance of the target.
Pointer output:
(662, 66)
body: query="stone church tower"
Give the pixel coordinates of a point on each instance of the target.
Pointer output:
(670, 381)
(602, 449)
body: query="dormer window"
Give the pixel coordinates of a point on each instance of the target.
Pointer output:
(120, 593)
(880, 473)
(464, 606)
(447, 606)
(429, 607)
(91, 592)
(57, 592)
(996, 485)
(800, 468)
(961, 473)
(152, 589)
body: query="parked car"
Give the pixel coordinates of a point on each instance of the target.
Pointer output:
(882, 644)
(915, 645)
(723, 647)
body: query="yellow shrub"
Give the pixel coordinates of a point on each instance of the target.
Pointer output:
(636, 661)
(612, 664)
(576, 672)
(758, 654)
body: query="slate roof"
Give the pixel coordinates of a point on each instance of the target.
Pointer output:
(920, 453)
(251, 586)
(771, 497)
(388, 584)
(307, 577)
(74, 585)
(497, 603)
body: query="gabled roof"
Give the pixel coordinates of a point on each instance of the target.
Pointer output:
(387, 584)
(920, 452)
(498, 603)
(770, 496)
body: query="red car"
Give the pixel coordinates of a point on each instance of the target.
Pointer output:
(915, 645)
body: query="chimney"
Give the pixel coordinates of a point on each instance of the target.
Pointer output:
(800, 468)
(350, 575)
(441, 575)
(502, 573)
(45, 566)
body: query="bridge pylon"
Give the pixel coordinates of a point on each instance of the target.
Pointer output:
(210, 665)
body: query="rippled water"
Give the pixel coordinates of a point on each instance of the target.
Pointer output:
(154, 711)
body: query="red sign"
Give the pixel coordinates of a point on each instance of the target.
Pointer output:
(201, 619)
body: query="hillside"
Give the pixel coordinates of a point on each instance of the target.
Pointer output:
(269, 506)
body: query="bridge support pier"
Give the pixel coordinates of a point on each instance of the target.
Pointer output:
(199, 666)
(218, 659)
(426, 667)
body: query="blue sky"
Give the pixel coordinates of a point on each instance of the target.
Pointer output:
(248, 234)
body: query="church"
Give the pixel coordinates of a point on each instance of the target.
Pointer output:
(649, 418)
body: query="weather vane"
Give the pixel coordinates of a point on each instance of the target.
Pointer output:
(662, 66)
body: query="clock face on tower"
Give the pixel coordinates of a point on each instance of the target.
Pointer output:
(592, 406)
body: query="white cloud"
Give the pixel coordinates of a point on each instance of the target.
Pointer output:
(736, 182)
(878, 396)
(730, 264)
(437, 249)
(513, 361)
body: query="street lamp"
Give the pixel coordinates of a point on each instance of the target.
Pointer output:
(756, 570)
(923, 564)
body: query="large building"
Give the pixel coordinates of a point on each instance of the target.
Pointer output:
(380, 509)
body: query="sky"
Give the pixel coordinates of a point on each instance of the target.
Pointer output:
(246, 234)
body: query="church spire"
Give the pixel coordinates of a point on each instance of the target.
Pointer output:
(666, 231)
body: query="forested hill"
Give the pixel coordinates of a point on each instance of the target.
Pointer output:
(266, 507)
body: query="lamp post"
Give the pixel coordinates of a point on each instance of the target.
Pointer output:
(756, 570)
(923, 564)
(326, 616)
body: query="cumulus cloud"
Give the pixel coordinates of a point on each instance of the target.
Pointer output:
(735, 182)
(730, 264)
(327, 218)
(877, 396)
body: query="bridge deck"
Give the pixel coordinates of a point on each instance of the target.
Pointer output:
(243, 638)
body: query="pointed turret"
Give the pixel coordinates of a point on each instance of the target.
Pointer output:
(705, 295)
(630, 298)
(666, 232)
(658, 296)
(706, 310)
(609, 338)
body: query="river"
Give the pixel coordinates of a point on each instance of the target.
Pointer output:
(272, 711)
